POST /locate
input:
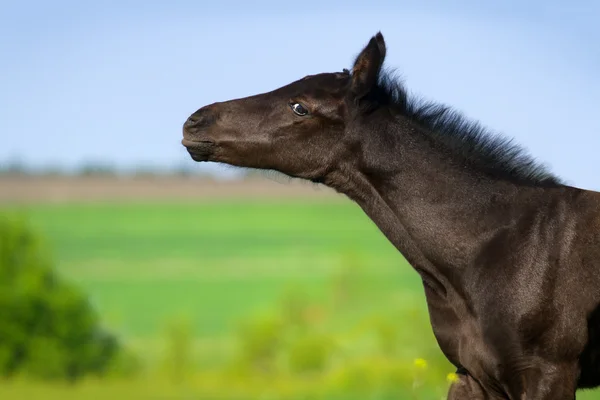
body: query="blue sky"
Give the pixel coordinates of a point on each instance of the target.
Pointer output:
(114, 80)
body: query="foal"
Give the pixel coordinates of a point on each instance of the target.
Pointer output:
(509, 256)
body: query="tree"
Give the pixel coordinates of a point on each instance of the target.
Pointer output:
(48, 329)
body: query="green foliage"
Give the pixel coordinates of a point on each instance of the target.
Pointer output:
(310, 353)
(47, 327)
(259, 341)
(387, 334)
(178, 354)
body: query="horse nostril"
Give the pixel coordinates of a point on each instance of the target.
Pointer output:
(199, 119)
(191, 121)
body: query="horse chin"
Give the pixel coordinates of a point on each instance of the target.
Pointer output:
(199, 157)
(199, 151)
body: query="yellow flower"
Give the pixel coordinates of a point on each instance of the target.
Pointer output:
(420, 363)
(451, 377)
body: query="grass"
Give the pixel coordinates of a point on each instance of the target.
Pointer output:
(142, 263)
(218, 265)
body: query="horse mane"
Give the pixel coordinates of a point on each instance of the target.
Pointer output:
(481, 148)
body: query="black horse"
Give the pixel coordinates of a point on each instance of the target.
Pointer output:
(508, 254)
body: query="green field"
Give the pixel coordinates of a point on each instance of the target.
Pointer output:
(353, 311)
(145, 263)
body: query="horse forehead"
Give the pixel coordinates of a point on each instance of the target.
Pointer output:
(323, 85)
(323, 81)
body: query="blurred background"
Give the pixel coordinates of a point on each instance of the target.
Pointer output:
(129, 271)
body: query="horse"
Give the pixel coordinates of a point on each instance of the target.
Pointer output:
(508, 254)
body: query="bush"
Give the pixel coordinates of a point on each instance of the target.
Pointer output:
(310, 353)
(47, 327)
(179, 358)
(260, 341)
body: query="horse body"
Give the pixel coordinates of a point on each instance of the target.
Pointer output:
(529, 333)
(510, 278)
(509, 256)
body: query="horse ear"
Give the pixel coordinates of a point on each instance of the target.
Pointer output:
(367, 66)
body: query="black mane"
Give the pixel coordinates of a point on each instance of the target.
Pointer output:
(480, 147)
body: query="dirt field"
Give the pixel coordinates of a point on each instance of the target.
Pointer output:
(30, 189)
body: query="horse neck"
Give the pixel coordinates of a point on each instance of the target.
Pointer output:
(435, 211)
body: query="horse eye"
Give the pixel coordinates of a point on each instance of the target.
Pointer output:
(299, 109)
